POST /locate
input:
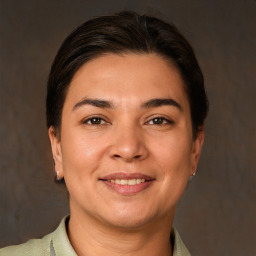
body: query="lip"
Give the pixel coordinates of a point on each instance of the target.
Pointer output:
(127, 189)
(123, 175)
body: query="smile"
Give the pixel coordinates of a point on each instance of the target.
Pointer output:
(129, 182)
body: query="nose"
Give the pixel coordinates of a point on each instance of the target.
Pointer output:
(128, 144)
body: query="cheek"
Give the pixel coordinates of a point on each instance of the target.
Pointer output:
(173, 157)
(81, 160)
(173, 153)
(81, 155)
(174, 165)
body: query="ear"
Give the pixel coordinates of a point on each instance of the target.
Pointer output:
(56, 151)
(196, 150)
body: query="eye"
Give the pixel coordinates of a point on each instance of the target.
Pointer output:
(94, 121)
(159, 121)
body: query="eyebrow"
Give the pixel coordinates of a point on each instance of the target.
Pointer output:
(161, 102)
(148, 104)
(93, 102)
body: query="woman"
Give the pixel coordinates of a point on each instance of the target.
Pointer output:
(125, 111)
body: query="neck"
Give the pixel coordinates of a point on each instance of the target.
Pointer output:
(91, 237)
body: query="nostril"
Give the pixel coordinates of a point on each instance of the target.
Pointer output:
(126, 157)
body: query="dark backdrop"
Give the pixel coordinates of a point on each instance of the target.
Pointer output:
(217, 214)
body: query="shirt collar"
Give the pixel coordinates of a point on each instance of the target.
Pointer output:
(60, 244)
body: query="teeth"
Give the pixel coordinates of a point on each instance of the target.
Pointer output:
(128, 182)
(132, 182)
(124, 182)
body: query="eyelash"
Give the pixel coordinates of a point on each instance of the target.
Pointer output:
(96, 120)
(163, 120)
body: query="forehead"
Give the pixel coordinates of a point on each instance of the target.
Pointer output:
(131, 77)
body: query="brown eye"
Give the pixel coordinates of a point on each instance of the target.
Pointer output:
(159, 121)
(95, 121)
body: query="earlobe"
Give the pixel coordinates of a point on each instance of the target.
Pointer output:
(56, 152)
(196, 151)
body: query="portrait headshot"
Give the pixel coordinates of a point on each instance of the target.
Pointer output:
(128, 128)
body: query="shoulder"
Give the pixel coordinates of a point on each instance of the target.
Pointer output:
(33, 247)
(55, 243)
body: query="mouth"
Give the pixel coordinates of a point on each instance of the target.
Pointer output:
(130, 182)
(127, 184)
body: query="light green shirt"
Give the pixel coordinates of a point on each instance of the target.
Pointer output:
(58, 244)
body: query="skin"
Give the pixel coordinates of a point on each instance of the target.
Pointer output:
(129, 136)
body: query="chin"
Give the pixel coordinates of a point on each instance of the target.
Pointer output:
(131, 222)
(129, 219)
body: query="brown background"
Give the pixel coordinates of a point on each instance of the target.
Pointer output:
(217, 215)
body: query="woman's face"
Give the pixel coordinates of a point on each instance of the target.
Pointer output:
(126, 149)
